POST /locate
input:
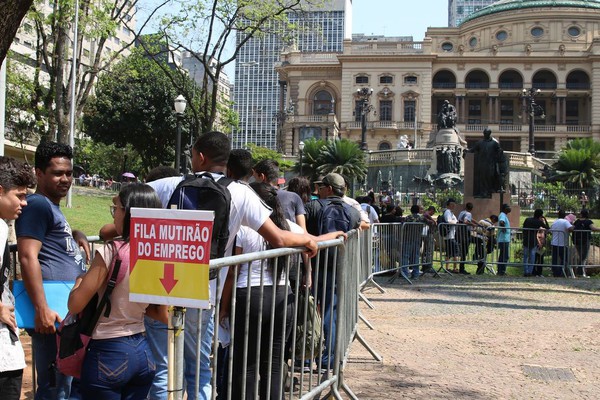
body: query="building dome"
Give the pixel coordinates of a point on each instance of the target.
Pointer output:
(515, 5)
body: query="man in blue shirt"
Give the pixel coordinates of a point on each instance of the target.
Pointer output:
(503, 238)
(49, 251)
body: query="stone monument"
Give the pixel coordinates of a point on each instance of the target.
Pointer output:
(447, 167)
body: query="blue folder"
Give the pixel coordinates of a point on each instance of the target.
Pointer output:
(57, 294)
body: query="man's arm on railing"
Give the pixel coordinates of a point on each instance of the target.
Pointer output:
(280, 238)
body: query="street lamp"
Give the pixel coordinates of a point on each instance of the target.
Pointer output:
(533, 109)
(179, 105)
(364, 107)
(247, 64)
(301, 150)
(280, 117)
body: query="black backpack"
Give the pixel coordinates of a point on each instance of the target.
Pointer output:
(334, 216)
(202, 192)
(441, 223)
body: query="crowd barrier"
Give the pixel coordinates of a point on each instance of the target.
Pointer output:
(402, 247)
(269, 346)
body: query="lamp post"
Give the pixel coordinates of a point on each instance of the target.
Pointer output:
(301, 150)
(533, 109)
(179, 105)
(363, 95)
(280, 117)
(247, 64)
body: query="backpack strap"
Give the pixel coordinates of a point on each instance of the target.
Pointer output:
(115, 276)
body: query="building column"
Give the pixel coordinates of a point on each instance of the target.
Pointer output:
(563, 111)
(490, 110)
(558, 114)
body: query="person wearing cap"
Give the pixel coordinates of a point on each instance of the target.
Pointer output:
(331, 190)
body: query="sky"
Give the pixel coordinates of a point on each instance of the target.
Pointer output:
(398, 17)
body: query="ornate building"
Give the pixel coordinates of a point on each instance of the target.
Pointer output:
(483, 67)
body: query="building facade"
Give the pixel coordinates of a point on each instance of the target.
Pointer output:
(481, 67)
(458, 10)
(258, 93)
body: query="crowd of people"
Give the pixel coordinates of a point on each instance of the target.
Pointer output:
(127, 356)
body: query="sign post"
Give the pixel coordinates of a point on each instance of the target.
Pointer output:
(170, 255)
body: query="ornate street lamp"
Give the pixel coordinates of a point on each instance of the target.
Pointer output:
(280, 117)
(533, 110)
(180, 104)
(301, 151)
(364, 107)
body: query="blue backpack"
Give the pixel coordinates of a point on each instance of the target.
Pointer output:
(334, 216)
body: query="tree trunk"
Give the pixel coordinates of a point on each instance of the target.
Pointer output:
(13, 12)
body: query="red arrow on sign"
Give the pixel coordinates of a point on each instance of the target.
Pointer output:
(168, 281)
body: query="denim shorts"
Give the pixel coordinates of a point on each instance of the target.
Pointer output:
(118, 368)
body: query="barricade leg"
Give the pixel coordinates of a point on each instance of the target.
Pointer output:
(176, 337)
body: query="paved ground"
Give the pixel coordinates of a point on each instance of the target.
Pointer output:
(481, 338)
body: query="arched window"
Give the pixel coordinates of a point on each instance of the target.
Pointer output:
(322, 103)
(384, 146)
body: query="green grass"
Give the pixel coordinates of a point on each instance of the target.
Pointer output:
(90, 210)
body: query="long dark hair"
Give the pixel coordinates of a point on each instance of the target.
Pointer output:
(136, 195)
(301, 186)
(269, 195)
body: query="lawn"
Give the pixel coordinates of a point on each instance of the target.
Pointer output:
(90, 210)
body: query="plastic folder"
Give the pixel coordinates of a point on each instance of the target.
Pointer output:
(57, 294)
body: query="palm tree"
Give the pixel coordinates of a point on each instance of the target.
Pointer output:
(310, 158)
(343, 157)
(579, 164)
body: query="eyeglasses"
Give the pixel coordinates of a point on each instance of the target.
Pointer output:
(113, 208)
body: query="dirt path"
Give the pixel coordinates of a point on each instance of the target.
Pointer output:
(481, 338)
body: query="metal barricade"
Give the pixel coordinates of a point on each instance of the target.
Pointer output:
(463, 245)
(410, 242)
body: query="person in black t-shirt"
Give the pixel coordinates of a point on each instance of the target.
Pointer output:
(582, 235)
(531, 226)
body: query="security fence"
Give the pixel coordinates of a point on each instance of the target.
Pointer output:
(290, 339)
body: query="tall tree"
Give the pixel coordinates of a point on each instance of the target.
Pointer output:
(98, 21)
(13, 12)
(207, 30)
(134, 105)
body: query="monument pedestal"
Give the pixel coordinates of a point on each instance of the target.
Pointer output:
(483, 208)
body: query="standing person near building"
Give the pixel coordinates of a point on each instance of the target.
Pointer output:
(485, 241)
(210, 154)
(531, 227)
(464, 228)
(583, 200)
(293, 207)
(118, 362)
(364, 217)
(49, 251)
(15, 179)
(503, 239)
(448, 233)
(412, 233)
(560, 230)
(329, 214)
(582, 237)
(365, 205)
(428, 240)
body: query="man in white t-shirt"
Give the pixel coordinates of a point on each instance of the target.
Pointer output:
(210, 154)
(560, 230)
(450, 244)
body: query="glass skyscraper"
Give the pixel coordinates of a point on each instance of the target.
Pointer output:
(257, 93)
(458, 10)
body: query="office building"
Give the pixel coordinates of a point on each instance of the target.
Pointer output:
(258, 94)
(458, 10)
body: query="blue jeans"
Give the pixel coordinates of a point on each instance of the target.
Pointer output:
(51, 384)
(157, 335)
(528, 259)
(503, 248)
(119, 368)
(410, 257)
(328, 304)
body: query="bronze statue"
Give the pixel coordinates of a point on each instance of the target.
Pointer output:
(447, 116)
(490, 166)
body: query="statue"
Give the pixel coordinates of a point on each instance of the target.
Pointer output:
(490, 166)
(447, 116)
